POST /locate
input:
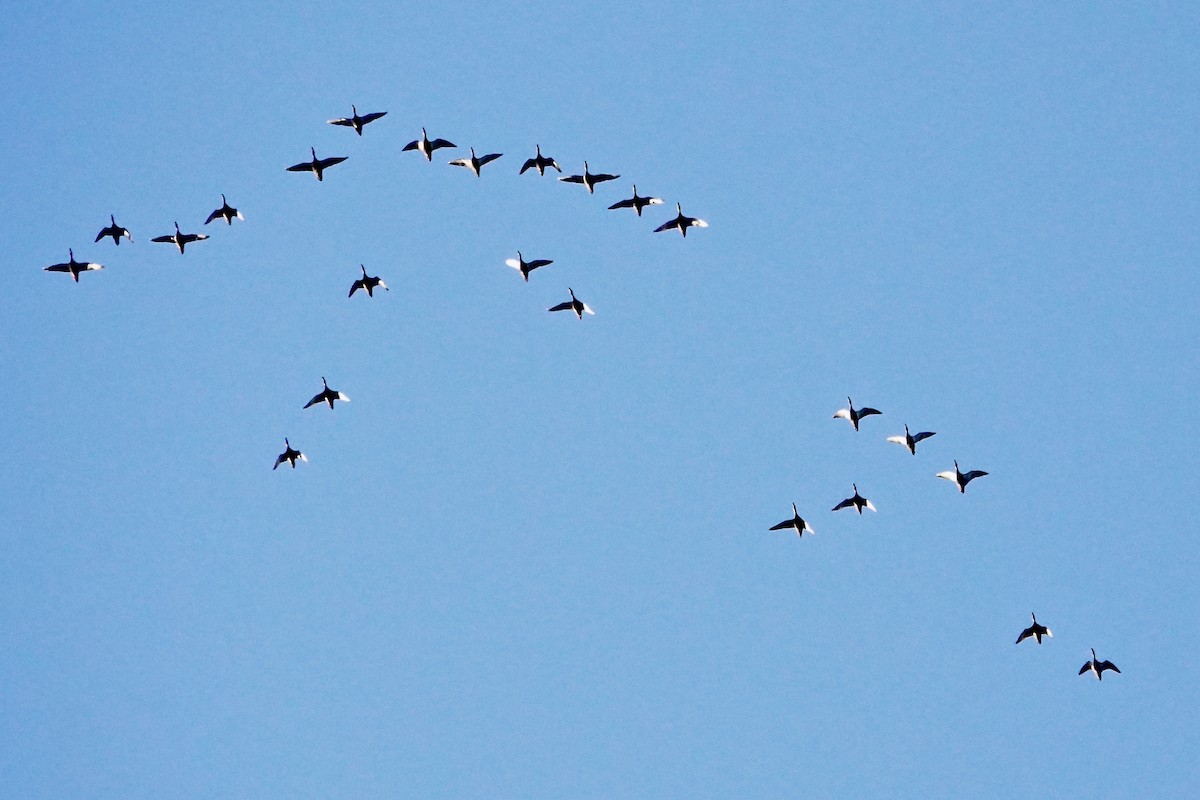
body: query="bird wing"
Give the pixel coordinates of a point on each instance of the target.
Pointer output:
(305, 167)
(561, 307)
(972, 475)
(1108, 665)
(898, 440)
(213, 215)
(866, 412)
(529, 164)
(922, 436)
(602, 177)
(489, 158)
(541, 262)
(841, 413)
(461, 162)
(374, 115)
(282, 457)
(572, 179)
(102, 234)
(326, 163)
(436, 143)
(1085, 668)
(666, 226)
(622, 204)
(317, 398)
(349, 123)
(847, 503)
(413, 145)
(193, 237)
(58, 268)
(950, 476)
(170, 239)
(354, 287)
(787, 523)
(1025, 634)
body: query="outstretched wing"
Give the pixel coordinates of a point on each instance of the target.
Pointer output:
(170, 239)
(561, 307)
(437, 143)
(317, 398)
(666, 226)
(58, 268)
(213, 215)
(103, 233)
(413, 145)
(898, 440)
(922, 436)
(541, 262)
(282, 457)
(529, 164)
(847, 503)
(305, 167)
(602, 177)
(354, 287)
(349, 123)
(972, 475)
(1025, 634)
(622, 204)
(460, 162)
(864, 412)
(374, 115)
(572, 179)
(787, 523)
(489, 158)
(1108, 665)
(1085, 668)
(326, 163)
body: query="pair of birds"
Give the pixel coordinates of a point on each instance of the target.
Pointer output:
(181, 240)
(574, 305)
(290, 454)
(1094, 665)
(801, 526)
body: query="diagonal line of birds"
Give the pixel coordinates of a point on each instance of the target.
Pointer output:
(425, 146)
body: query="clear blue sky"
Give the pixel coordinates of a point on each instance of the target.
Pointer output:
(531, 558)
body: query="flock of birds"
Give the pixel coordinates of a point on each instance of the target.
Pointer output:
(475, 163)
(960, 479)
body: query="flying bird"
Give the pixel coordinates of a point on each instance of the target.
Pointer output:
(74, 267)
(115, 231)
(637, 202)
(858, 502)
(225, 212)
(426, 147)
(854, 415)
(179, 239)
(589, 179)
(318, 165)
(540, 162)
(326, 395)
(473, 163)
(290, 455)
(910, 440)
(367, 282)
(357, 122)
(578, 306)
(1097, 667)
(796, 522)
(961, 478)
(682, 222)
(525, 267)
(1036, 631)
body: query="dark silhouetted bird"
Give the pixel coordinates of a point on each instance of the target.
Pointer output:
(74, 267)
(1097, 667)
(578, 306)
(115, 231)
(540, 162)
(857, 502)
(525, 267)
(426, 147)
(318, 165)
(637, 202)
(589, 179)
(910, 440)
(854, 415)
(961, 478)
(355, 121)
(682, 222)
(473, 163)
(289, 455)
(796, 522)
(225, 212)
(180, 240)
(367, 282)
(326, 395)
(1035, 630)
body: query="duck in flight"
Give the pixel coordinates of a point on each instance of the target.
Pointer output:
(367, 282)
(589, 179)
(74, 267)
(290, 455)
(961, 478)
(637, 202)
(857, 502)
(574, 304)
(909, 440)
(854, 415)
(326, 395)
(525, 267)
(357, 122)
(225, 212)
(318, 165)
(179, 239)
(1035, 630)
(682, 222)
(426, 147)
(115, 231)
(540, 162)
(796, 522)
(475, 163)
(1097, 667)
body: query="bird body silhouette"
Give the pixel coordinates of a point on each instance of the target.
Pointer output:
(796, 522)
(327, 395)
(578, 306)
(426, 147)
(854, 415)
(1097, 667)
(637, 202)
(909, 440)
(1035, 630)
(318, 165)
(115, 231)
(539, 162)
(290, 455)
(179, 239)
(857, 502)
(225, 212)
(589, 179)
(960, 478)
(367, 282)
(682, 221)
(74, 267)
(525, 267)
(357, 122)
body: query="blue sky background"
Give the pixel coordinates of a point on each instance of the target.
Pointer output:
(530, 558)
